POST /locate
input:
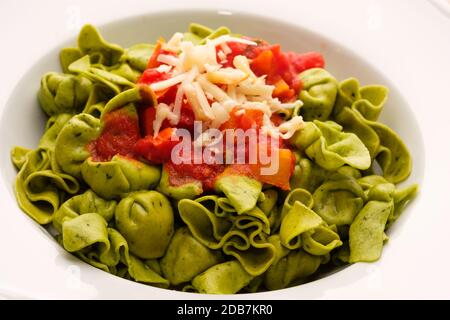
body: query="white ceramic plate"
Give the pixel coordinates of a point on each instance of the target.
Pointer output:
(413, 262)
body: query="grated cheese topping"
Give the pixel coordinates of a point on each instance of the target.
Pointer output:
(213, 90)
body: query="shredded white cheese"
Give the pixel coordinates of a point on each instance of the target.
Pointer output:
(197, 55)
(161, 85)
(173, 44)
(229, 105)
(162, 112)
(231, 91)
(264, 91)
(203, 101)
(213, 91)
(288, 128)
(209, 87)
(177, 105)
(168, 59)
(222, 56)
(258, 106)
(226, 76)
(225, 48)
(164, 68)
(241, 63)
(197, 99)
(221, 115)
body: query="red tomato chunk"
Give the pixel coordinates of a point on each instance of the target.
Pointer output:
(119, 135)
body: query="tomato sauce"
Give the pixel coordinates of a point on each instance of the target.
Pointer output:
(133, 135)
(281, 68)
(157, 149)
(180, 174)
(119, 136)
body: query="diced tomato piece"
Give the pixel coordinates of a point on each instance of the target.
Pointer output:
(285, 162)
(274, 64)
(296, 85)
(305, 61)
(276, 119)
(281, 178)
(282, 89)
(251, 119)
(187, 118)
(157, 149)
(150, 76)
(147, 116)
(282, 69)
(233, 122)
(152, 62)
(236, 50)
(262, 64)
(252, 52)
(248, 119)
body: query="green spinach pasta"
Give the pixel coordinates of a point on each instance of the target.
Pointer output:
(117, 176)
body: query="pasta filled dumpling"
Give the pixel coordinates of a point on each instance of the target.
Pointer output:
(339, 200)
(139, 94)
(120, 176)
(225, 278)
(189, 190)
(385, 203)
(307, 175)
(71, 146)
(330, 147)
(114, 82)
(384, 144)
(296, 265)
(243, 192)
(92, 43)
(146, 221)
(301, 227)
(88, 202)
(366, 235)
(89, 237)
(137, 56)
(368, 100)
(186, 257)
(63, 93)
(199, 34)
(40, 184)
(318, 94)
(352, 121)
(393, 156)
(297, 221)
(242, 236)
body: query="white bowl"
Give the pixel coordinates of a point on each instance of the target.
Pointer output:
(22, 124)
